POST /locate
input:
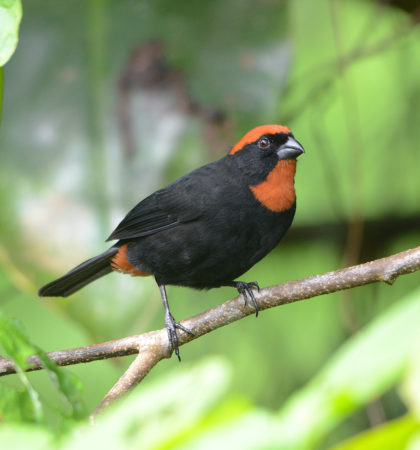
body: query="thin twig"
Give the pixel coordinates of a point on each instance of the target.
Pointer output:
(153, 346)
(360, 52)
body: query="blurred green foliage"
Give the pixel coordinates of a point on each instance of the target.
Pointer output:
(176, 412)
(344, 77)
(23, 404)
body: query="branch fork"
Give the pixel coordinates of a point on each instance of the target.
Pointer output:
(154, 346)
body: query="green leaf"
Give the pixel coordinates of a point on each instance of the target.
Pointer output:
(365, 367)
(256, 429)
(22, 437)
(1, 93)
(155, 414)
(69, 386)
(14, 341)
(10, 16)
(231, 409)
(410, 388)
(17, 346)
(15, 405)
(390, 436)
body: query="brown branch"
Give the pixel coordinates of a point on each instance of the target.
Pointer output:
(137, 370)
(153, 346)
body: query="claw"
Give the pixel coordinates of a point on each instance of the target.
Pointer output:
(171, 327)
(246, 289)
(255, 285)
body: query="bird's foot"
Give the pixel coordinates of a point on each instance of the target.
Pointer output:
(246, 289)
(171, 327)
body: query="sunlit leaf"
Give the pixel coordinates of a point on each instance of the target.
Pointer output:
(10, 15)
(257, 429)
(156, 413)
(364, 368)
(393, 435)
(24, 437)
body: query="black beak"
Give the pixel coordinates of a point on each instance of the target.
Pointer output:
(291, 149)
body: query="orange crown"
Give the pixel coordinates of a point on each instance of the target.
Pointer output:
(256, 133)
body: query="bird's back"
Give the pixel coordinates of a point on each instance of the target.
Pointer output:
(225, 230)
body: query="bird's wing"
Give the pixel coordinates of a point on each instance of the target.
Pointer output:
(180, 202)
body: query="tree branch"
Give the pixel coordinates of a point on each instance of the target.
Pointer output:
(153, 346)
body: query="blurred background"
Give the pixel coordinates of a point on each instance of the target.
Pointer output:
(106, 101)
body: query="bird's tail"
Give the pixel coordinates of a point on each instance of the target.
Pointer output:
(80, 276)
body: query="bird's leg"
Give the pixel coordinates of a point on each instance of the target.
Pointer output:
(245, 289)
(171, 325)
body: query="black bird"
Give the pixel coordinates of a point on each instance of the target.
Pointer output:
(206, 228)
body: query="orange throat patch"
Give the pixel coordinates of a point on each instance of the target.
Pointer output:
(120, 263)
(277, 191)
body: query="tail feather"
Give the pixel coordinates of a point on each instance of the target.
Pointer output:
(80, 276)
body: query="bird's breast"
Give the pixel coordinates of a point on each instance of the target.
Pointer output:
(277, 191)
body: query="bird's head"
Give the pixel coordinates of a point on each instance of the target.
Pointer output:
(270, 140)
(263, 148)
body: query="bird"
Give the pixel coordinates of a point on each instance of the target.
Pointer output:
(205, 229)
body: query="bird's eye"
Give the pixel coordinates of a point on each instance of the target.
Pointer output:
(263, 143)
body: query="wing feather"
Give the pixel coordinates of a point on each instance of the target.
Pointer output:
(184, 200)
(164, 209)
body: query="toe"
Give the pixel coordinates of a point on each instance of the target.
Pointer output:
(254, 302)
(186, 330)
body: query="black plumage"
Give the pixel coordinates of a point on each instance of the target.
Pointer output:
(206, 228)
